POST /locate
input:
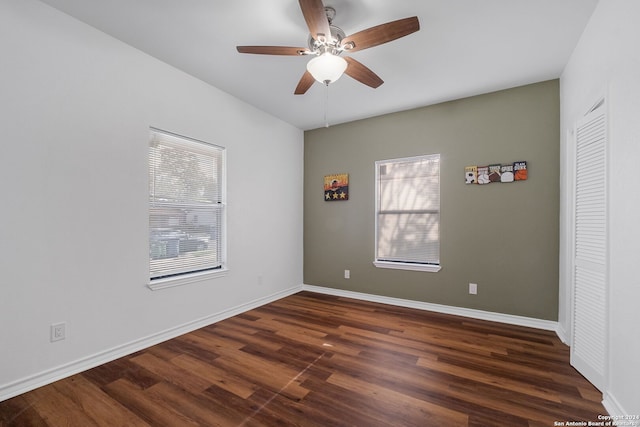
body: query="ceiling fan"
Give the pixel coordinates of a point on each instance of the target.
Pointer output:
(327, 42)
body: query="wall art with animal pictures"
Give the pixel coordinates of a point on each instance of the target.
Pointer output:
(509, 172)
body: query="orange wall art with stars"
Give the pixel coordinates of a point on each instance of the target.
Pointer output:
(336, 187)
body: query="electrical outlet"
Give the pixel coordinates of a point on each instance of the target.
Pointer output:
(347, 274)
(473, 288)
(58, 331)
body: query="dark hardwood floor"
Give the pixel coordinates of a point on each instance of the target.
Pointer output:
(318, 360)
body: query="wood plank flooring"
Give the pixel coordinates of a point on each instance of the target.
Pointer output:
(318, 360)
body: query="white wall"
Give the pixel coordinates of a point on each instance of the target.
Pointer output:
(75, 110)
(607, 61)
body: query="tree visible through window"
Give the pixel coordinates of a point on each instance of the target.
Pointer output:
(186, 209)
(408, 213)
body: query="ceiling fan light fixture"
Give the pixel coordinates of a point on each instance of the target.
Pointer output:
(327, 68)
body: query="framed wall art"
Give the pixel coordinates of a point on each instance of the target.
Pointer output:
(336, 187)
(510, 172)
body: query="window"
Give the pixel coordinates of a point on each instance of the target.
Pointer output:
(186, 209)
(408, 213)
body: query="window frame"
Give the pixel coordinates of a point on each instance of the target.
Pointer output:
(184, 278)
(403, 265)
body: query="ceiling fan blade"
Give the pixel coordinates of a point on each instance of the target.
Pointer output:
(304, 84)
(380, 34)
(316, 17)
(362, 73)
(273, 50)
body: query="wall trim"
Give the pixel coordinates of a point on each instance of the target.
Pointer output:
(562, 334)
(613, 407)
(530, 322)
(49, 376)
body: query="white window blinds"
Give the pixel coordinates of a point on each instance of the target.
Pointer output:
(408, 210)
(186, 209)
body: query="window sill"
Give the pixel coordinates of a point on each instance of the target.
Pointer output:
(407, 266)
(171, 282)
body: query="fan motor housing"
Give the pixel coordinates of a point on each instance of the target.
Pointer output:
(337, 34)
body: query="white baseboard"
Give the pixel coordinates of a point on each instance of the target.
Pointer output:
(613, 407)
(562, 334)
(438, 308)
(32, 382)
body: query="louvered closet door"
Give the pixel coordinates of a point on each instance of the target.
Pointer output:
(590, 336)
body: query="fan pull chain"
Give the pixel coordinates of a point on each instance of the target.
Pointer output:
(326, 105)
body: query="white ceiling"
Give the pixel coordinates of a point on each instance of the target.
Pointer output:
(464, 48)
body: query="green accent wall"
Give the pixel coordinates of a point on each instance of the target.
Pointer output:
(502, 236)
